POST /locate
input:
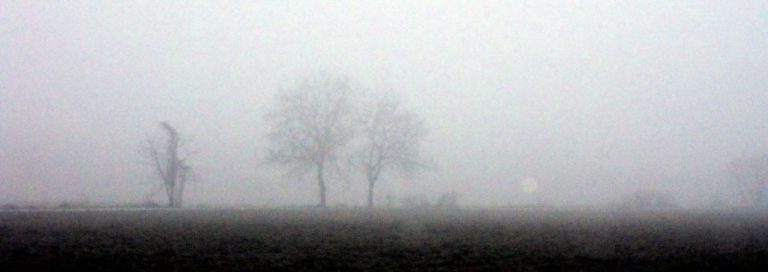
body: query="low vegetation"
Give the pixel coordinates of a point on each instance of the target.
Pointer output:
(354, 240)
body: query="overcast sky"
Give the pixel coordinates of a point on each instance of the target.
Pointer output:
(591, 99)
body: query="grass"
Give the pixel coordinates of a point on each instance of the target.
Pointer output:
(349, 240)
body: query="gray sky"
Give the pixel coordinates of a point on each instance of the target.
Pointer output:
(590, 99)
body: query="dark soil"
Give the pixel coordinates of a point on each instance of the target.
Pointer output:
(352, 240)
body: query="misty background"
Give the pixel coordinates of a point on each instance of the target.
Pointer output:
(592, 100)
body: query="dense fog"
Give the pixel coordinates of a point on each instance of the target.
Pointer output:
(525, 102)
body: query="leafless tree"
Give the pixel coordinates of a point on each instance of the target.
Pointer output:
(390, 139)
(170, 165)
(312, 123)
(751, 175)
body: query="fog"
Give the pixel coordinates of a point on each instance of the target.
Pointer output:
(591, 100)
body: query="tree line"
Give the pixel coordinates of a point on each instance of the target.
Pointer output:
(315, 126)
(323, 122)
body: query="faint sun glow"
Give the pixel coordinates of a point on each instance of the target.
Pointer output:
(529, 185)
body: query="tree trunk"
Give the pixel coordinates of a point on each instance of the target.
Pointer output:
(171, 194)
(370, 193)
(372, 174)
(180, 187)
(172, 171)
(321, 183)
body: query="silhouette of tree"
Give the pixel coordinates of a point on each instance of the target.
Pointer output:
(312, 123)
(169, 165)
(390, 139)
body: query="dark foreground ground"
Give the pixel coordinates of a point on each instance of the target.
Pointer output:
(348, 240)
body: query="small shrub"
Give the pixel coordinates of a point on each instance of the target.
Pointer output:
(64, 205)
(150, 205)
(413, 202)
(9, 207)
(648, 200)
(448, 201)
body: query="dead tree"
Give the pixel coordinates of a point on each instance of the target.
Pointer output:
(170, 166)
(390, 139)
(311, 125)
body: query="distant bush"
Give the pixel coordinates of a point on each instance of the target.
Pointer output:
(64, 205)
(413, 202)
(74, 205)
(448, 200)
(648, 200)
(9, 207)
(150, 205)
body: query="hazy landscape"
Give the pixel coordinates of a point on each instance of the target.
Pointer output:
(383, 135)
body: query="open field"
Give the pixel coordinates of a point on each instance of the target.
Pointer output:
(344, 240)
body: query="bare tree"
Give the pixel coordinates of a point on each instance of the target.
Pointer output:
(751, 175)
(311, 126)
(170, 165)
(390, 139)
